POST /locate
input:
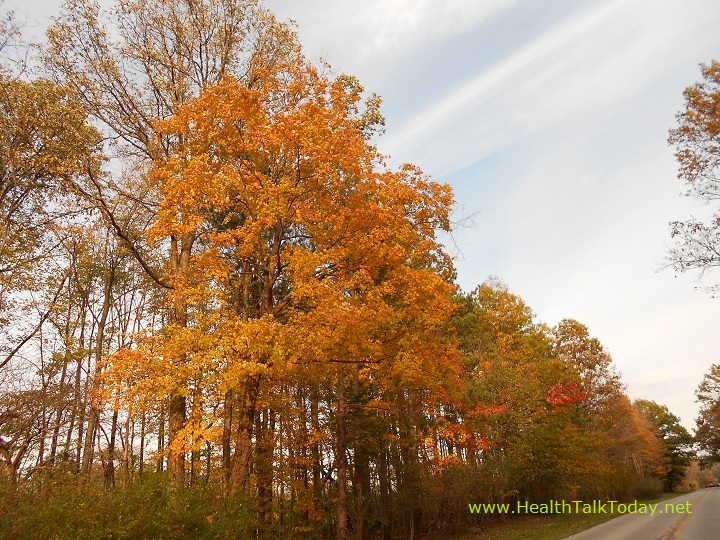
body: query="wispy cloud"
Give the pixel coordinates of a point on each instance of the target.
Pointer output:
(373, 31)
(590, 60)
(407, 24)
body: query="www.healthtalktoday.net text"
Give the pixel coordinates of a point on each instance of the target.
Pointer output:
(580, 507)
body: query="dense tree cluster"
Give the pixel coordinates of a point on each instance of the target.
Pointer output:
(223, 316)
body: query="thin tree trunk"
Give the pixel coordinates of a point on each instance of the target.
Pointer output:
(76, 407)
(95, 409)
(361, 469)
(226, 437)
(304, 472)
(59, 410)
(161, 440)
(80, 433)
(208, 462)
(385, 509)
(408, 450)
(265, 446)
(128, 441)
(176, 456)
(180, 252)
(110, 468)
(341, 459)
(316, 474)
(142, 444)
(193, 467)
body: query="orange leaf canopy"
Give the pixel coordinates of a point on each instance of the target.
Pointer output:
(300, 226)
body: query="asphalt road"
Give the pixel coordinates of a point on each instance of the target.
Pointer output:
(695, 516)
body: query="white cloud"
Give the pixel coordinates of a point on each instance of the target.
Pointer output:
(371, 36)
(591, 60)
(411, 24)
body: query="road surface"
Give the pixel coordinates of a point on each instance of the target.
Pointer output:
(694, 516)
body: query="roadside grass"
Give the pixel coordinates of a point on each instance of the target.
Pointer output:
(545, 527)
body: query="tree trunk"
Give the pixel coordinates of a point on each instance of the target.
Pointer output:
(341, 459)
(128, 443)
(409, 457)
(82, 405)
(141, 461)
(194, 466)
(316, 472)
(180, 252)
(385, 509)
(77, 406)
(110, 468)
(59, 410)
(226, 436)
(176, 456)
(161, 440)
(240, 467)
(361, 469)
(208, 462)
(95, 410)
(265, 437)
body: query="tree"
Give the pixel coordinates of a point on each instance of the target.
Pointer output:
(697, 144)
(310, 254)
(44, 142)
(292, 250)
(677, 442)
(161, 55)
(599, 379)
(517, 397)
(616, 440)
(707, 433)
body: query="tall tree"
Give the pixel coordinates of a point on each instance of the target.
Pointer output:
(511, 372)
(697, 143)
(159, 55)
(308, 250)
(44, 141)
(677, 442)
(707, 433)
(599, 378)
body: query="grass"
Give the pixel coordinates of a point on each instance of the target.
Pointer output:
(544, 527)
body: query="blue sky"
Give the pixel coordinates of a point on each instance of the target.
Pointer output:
(549, 118)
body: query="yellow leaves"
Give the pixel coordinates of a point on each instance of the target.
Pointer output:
(195, 434)
(210, 358)
(298, 252)
(250, 348)
(45, 128)
(45, 146)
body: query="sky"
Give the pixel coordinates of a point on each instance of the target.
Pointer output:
(549, 118)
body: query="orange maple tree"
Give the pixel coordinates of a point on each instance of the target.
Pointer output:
(308, 250)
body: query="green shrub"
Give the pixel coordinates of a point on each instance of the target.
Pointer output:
(648, 488)
(68, 507)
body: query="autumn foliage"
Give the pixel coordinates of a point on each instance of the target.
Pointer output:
(256, 332)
